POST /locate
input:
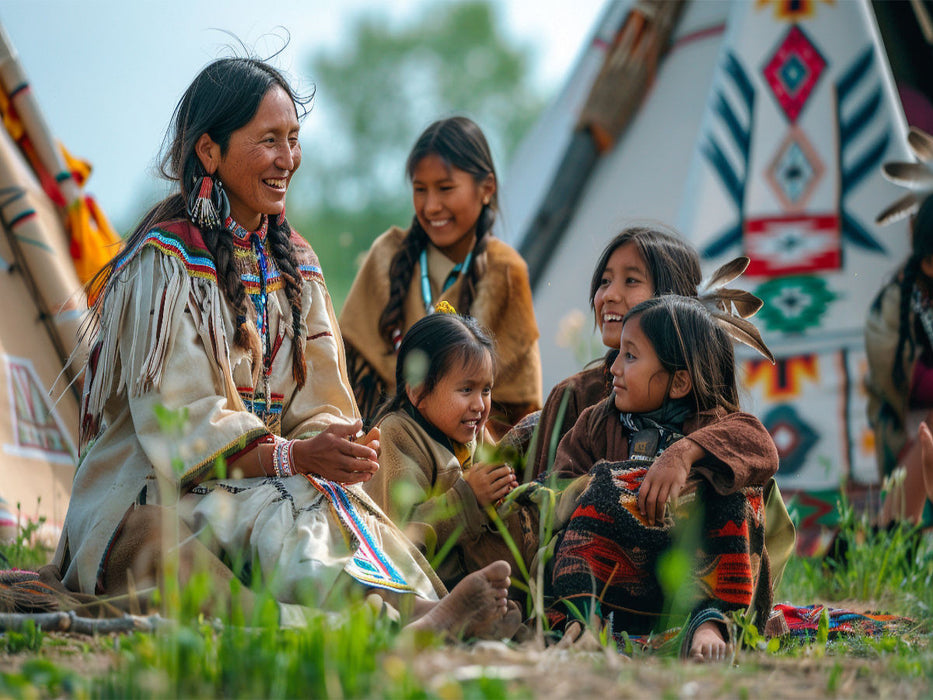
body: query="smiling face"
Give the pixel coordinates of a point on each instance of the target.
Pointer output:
(625, 282)
(260, 160)
(639, 382)
(448, 202)
(459, 404)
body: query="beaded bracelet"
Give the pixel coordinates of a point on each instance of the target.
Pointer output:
(276, 469)
(282, 458)
(285, 457)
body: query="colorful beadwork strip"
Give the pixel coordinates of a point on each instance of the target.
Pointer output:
(370, 565)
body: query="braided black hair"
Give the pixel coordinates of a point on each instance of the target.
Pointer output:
(460, 143)
(909, 277)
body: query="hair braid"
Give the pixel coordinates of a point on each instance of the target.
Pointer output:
(283, 252)
(220, 243)
(401, 270)
(905, 335)
(477, 267)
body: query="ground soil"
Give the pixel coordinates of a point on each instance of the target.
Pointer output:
(527, 671)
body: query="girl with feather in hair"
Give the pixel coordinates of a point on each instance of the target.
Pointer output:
(674, 373)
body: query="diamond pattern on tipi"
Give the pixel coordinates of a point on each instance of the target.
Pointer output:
(795, 171)
(793, 71)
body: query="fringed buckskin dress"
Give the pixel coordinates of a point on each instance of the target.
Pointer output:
(165, 344)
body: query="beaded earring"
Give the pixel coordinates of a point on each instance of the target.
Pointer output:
(280, 219)
(208, 206)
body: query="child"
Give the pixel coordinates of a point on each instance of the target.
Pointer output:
(643, 261)
(427, 481)
(899, 345)
(675, 373)
(448, 253)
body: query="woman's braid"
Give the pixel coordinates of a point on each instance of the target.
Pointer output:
(283, 252)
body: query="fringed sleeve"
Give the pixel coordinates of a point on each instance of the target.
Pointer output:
(163, 345)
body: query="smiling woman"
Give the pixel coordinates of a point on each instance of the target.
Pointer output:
(258, 161)
(217, 262)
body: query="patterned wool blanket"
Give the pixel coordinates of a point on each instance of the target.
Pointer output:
(609, 562)
(804, 621)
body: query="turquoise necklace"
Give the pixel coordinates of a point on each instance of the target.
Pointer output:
(451, 278)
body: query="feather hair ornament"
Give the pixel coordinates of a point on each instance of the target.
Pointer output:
(742, 330)
(714, 293)
(732, 307)
(916, 177)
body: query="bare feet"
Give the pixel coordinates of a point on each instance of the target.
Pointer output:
(926, 452)
(708, 644)
(478, 605)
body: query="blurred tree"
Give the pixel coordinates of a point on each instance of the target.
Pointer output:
(381, 88)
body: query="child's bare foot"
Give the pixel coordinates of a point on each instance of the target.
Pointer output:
(475, 606)
(926, 452)
(708, 644)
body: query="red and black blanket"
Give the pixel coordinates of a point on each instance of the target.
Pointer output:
(705, 559)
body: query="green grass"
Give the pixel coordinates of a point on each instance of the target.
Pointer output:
(358, 654)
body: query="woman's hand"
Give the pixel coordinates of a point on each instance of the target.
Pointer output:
(333, 454)
(371, 440)
(666, 478)
(490, 482)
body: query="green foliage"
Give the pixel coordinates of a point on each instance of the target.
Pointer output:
(383, 86)
(37, 675)
(26, 551)
(890, 566)
(30, 639)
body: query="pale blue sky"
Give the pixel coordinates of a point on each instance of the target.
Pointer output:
(107, 73)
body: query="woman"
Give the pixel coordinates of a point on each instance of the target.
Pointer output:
(447, 254)
(217, 311)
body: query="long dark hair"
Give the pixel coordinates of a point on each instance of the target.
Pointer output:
(460, 143)
(673, 263)
(430, 348)
(686, 336)
(223, 98)
(921, 247)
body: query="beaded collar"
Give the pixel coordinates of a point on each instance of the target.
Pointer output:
(244, 237)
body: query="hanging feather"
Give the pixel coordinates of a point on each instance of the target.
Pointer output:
(738, 301)
(917, 177)
(726, 273)
(731, 301)
(744, 332)
(914, 176)
(905, 206)
(921, 143)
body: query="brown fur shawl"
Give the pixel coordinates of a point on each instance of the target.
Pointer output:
(503, 304)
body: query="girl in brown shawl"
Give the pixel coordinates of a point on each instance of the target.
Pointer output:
(674, 373)
(448, 253)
